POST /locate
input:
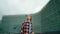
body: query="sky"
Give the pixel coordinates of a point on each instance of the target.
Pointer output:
(18, 7)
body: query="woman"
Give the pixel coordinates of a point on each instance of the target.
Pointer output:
(26, 27)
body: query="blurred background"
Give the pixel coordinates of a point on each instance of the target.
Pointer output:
(46, 21)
